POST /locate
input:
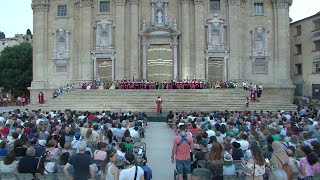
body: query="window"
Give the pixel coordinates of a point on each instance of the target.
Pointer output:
(260, 66)
(298, 69)
(61, 69)
(214, 5)
(258, 9)
(298, 30)
(316, 24)
(298, 49)
(316, 45)
(105, 6)
(316, 66)
(62, 10)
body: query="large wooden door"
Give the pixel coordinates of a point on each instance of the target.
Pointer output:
(159, 65)
(215, 69)
(105, 69)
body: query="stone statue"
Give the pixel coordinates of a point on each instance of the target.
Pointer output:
(159, 15)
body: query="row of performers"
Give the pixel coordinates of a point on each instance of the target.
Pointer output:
(156, 85)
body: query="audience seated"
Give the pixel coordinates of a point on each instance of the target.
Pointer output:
(28, 163)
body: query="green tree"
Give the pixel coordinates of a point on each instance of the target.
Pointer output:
(16, 68)
(2, 35)
(28, 32)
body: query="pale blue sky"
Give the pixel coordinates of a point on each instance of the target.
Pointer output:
(16, 15)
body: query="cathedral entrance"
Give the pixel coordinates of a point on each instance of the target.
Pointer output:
(104, 69)
(159, 63)
(215, 69)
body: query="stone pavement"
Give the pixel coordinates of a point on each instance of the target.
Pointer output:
(159, 140)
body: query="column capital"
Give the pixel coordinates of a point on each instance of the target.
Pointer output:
(86, 3)
(281, 4)
(40, 5)
(185, 1)
(134, 2)
(198, 2)
(120, 2)
(232, 2)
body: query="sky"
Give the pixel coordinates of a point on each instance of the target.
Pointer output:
(16, 15)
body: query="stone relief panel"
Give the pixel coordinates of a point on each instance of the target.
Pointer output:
(159, 12)
(61, 45)
(104, 31)
(215, 34)
(259, 43)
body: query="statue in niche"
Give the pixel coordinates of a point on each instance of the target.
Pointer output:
(159, 16)
(215, 34)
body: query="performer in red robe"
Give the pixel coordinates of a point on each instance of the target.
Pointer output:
(253, 95)
(41, 97)
(159, 105)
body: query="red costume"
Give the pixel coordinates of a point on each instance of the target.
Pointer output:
(253, 95)
(159, 105)
(41, 97)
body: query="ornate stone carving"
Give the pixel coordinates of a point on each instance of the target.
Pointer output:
(120, 2)
(232, 2)
(86, 3)
(104, 35)
(215, 34)
(243, 3)
(134, 2)
(259, 43)
(40, 5)
(159, 12)
(282, 4)
(77, 4)
(61, 45)
(198, 2)
(185, 1)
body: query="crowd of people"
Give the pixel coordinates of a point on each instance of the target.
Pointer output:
(63, 89)
(247, 144)
(79, 145)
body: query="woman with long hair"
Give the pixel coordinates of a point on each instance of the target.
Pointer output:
(279, 157)
(215, 161)
(100, 153)
(109, 170)
(254, 168)
(308, 164)
(9, 163)
(54, 151)
(45, 165)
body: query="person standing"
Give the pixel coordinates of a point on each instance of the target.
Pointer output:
(84, 167)
(159, 105)
(259, 92)
(182, 145)
(41, 97)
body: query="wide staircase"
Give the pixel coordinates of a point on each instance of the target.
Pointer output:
(177, 100)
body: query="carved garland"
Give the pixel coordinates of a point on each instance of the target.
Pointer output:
(86, 3)
(281, 4)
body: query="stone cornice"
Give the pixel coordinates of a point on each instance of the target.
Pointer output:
(86, 3)
(134, 2)
(185, 1)
(232, 2)
(40, 5)
(281, 4)
(198, 2)
(120, 2)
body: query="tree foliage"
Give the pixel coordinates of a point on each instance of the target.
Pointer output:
(16, 68)
(2, 35)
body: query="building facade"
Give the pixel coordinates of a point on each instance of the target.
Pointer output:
(305, 56)
(213, 40)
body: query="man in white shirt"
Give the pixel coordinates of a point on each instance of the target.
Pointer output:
(244, 144)
(1, 118)
(210, 132)
(39, 120)
(134, 133)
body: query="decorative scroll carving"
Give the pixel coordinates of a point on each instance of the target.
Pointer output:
(86, 3)
(120, 2)
(215, 34)
(134, 2)
(282, 4)
(61, 45)
(104, 34)
(198, 2)
(40, 5)
(259, 44)
(232, 2)
(77, 4)
(185, 1)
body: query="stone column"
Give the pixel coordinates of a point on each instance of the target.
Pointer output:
(113, 68)
(85, 40)
(225, 68)
(207, 68)
(134, 39)
(120, 43)
(282, 42)
(175, 57)
(94, 59)
(199, 39)
(144, 60)
(185, 42)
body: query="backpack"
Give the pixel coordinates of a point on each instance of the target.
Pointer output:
(287, 168)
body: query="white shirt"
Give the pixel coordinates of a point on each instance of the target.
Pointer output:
(134, 133)
(244, 145)
(38, 121)
(211, 132)
(128, 174)
(1, 119)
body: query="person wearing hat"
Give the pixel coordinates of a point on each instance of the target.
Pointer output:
(236, 152)
(228, 166)
(75, 142)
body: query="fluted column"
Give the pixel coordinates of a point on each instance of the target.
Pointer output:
(144, 58)
(282, 42)
(134, 39)
(120, 43)
(85, 40)
(175, 57)
(199, 39)
(185, 42)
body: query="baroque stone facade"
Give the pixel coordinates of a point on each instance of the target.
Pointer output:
(82, 40)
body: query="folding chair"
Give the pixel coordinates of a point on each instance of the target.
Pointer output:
(230, 177)
(203, 173)
(7, 176)
(46, 176)
(25, 176)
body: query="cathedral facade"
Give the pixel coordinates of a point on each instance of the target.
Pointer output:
(212, 40)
